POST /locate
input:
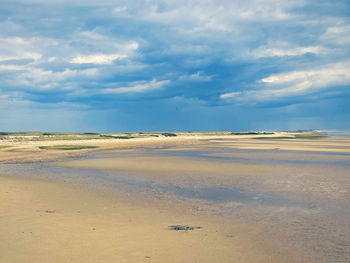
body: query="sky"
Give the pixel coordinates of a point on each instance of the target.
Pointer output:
(175, 65)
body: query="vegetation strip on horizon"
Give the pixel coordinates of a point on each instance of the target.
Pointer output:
(67, 147)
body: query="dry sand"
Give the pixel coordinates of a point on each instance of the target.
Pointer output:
(28, 151)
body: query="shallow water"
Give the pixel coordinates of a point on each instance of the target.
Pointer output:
(212, 193)
(309, 157)
(338, 133)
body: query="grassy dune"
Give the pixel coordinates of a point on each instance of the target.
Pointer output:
(67, 147)
(4, 146)
(74, 136)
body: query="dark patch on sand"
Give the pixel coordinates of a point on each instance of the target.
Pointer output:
(183, 227)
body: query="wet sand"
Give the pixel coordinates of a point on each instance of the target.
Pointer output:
(254, 203)
(52, 221)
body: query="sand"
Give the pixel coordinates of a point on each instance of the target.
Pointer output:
(46, 221)
(67, 219)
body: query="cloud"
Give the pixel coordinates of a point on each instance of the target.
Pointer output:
(295, 83)
(281, 49)
(96, 59)
(94, 40)
(18, 48)
(337, 34)
(39, 79)
(198, 76)
(213, 16)
(120, 9)
(105, 54)
(328, 75)
(138, 87)
(230, 95)
(51, 59)
(7, 67)
(98, 48)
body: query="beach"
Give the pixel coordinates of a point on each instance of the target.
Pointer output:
(222, 198)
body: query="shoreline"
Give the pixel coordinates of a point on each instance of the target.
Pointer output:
(28, 151)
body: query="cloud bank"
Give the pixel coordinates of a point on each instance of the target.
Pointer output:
(179, 58)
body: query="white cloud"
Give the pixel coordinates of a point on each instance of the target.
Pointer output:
(40, 79)
(95, 40)
(337, 34)
(6, 67)
(201, 17)
(39, 63)
(332, 74)
(96, 59)
(230, 95)
(120, 9)
(295, 83)
(270, 51)
(51, 59)
(16, 48)
(198, 76)
(20, 55)
(227, 26)
(19, 48)
(98, 48)
(138, 87)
